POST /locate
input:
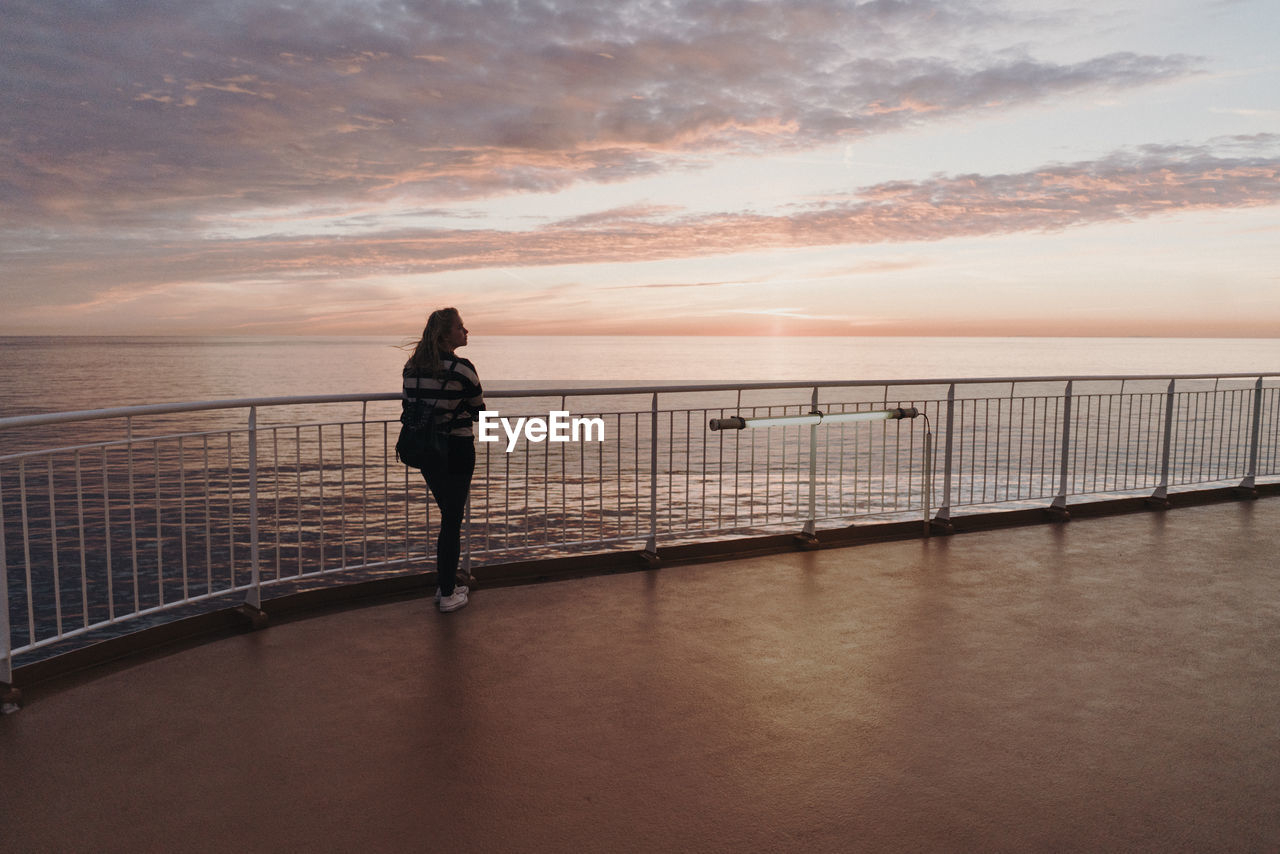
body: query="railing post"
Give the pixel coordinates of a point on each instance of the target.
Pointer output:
(927, 481)
(809, 536)
(1058, 508)
(364, 483)
(466, 542)
(133, 518)
(9, 698)
(254, 597)
(942, 522)
(651, 547)
(1160, 497)
(1248, 484)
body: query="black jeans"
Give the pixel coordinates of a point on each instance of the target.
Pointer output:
(449, 484)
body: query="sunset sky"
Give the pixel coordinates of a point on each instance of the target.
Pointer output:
(908, 167)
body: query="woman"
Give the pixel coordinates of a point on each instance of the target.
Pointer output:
(444, 387)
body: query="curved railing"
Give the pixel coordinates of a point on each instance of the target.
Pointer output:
(112, 519)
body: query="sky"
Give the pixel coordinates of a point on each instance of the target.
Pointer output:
(727, 167)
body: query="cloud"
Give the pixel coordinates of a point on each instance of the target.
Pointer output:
(795, 313)
(604, 219)
(1128, 185)
(148, 114)
(664, 285)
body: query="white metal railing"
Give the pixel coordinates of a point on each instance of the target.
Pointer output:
(147, 512)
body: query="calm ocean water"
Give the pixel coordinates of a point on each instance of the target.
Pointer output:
(167, 516)
(45, 374)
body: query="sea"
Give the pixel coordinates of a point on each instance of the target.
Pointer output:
(138, 524)
(50, 374)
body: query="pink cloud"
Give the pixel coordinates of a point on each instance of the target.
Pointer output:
(1125, 186)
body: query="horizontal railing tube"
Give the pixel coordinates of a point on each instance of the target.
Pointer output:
(171, 408)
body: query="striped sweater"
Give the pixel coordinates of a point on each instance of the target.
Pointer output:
(451, 404)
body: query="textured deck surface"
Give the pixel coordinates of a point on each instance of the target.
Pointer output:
(1104, 685)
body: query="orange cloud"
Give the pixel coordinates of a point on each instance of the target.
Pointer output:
(1125, 186)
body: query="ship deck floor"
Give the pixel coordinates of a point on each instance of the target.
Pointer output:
(1105, 684)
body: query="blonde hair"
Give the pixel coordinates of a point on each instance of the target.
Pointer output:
(431, 348)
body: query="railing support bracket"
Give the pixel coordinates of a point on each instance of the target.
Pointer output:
(254, 618)
(942, 525)
(10, 699)
(806, 541)
(651, 559)
(1057, 511)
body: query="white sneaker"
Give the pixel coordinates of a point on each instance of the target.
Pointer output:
(456, 588)
(454, 602)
